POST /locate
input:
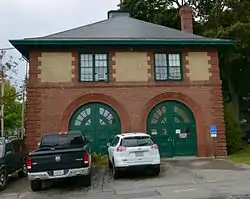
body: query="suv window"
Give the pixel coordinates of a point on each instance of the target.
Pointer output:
(137, 141)
(115, 141)
(16, 146)
(1, 148)
(68, 140)
(9, 148)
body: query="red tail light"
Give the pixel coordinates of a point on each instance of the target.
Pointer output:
(121, 148)
(154, 146)
(29, 163)
(86, 158)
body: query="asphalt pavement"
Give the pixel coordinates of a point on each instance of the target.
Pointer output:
(187, 179)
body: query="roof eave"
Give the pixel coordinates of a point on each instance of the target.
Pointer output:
(23, 45)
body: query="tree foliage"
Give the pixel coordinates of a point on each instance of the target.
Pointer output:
(227, 19)
(11, 99)
(12, 107)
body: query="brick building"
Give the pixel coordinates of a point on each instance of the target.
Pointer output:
(123, 74)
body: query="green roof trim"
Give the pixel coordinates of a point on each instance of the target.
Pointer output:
(123, 42)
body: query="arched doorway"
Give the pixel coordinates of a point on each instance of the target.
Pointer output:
(172, 125)
(99, 122)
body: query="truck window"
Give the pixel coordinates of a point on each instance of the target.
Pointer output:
(70, 140)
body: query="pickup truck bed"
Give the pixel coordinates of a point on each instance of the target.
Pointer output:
(60, 155)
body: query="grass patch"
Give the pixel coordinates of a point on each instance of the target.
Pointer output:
(99, 159)
(243, 156)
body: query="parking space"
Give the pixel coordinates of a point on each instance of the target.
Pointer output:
(178, 179)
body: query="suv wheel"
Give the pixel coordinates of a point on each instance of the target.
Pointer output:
(3, 180)
(110, 165)
(35, 185)
(23, 172)
(157, 170)
(115, 172)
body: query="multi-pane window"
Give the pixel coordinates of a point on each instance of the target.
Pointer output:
(168, 66)
(93, 67)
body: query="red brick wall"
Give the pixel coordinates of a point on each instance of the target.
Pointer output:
(49, 106)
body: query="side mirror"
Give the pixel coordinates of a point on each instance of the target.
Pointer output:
(9, 153)
(108, 144)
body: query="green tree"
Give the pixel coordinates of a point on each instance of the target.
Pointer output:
(11, 98)
(12, 107)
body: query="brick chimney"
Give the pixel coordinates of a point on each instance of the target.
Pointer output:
(186, 15)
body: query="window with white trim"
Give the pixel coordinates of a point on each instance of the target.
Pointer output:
(167, 66)
(93, 67)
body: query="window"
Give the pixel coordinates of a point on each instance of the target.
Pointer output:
(115, 141)
(137, 141)
(68, 140)
(93, 67)
(168, 66)
(9, 148)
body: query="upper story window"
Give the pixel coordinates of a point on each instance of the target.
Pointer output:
(168, 66)
(93, 67)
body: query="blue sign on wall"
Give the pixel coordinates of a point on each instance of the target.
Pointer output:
(213, 131)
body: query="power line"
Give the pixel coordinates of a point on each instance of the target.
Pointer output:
(7, 48)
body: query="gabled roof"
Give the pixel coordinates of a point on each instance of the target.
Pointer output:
(120, 30)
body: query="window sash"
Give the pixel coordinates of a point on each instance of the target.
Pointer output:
(93, 67)
(168, 66)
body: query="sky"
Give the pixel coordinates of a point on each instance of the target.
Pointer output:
(33, 18)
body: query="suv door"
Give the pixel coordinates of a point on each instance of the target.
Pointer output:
(9, 156)
(18, 157)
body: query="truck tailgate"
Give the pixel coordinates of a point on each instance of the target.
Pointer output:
(49, 160)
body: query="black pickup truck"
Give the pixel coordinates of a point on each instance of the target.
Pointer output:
(59, 155)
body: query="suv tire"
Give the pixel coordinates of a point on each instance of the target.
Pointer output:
(35, 185)
(110, 165)
(3, 179)
(157, 170)
(115, 171)
(23, 172)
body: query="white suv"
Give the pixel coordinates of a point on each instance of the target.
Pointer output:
(133, 150)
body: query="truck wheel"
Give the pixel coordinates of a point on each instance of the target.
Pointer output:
(87, 180)
(35, 185)
(23, 172)
(3, 179)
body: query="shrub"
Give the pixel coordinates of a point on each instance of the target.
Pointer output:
(99, 159)
(233, 129)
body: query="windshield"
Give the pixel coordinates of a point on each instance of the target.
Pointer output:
(69, 140)
(137, 141)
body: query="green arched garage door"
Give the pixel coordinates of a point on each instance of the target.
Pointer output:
(172, 126)
(99, 122)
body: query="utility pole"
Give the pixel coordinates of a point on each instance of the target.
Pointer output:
(2, 91)
(23, 101)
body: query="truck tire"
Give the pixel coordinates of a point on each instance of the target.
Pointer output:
(35, 185)
(87, 180)
(3, 179)
(23, 172)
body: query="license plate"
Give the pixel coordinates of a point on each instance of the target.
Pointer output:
(139, 154)
(58, 173)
